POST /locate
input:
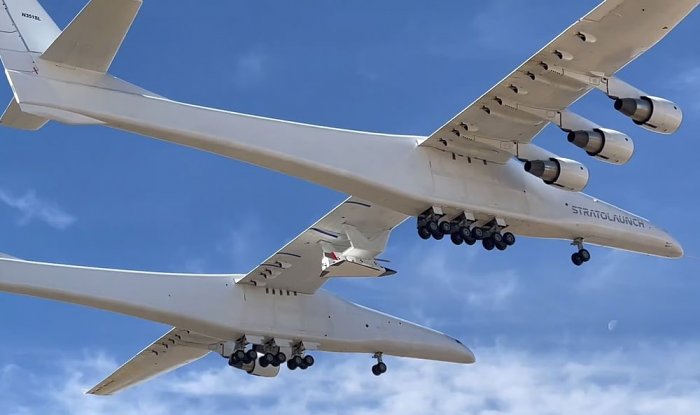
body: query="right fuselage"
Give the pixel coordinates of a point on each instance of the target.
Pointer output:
(390, 170)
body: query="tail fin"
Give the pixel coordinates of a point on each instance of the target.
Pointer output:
(30, 40)
(26, 31)
(93, 38)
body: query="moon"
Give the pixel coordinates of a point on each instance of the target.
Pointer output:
(612, 325)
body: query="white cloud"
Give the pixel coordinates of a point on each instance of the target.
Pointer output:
(250, 69)
(32, 208)
(645, 380)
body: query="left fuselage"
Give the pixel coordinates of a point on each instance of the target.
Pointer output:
(390, 170)
(214, 305)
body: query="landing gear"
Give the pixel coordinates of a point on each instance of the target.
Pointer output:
(299, 360)
(240, 356)
(582, 255)
(433, 224)
(380, 368)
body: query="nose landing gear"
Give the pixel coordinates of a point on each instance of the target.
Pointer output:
(582, 255)
(380, 368)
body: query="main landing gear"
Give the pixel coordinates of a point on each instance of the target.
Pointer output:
(433, 224)
(582, 255)
(298, 360)
(240, 356)
(380, 368)
(272, 356)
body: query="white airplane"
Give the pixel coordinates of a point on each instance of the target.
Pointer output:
(479, 177)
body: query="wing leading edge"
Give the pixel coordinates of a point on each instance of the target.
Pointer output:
(344, 243)
(597, 46)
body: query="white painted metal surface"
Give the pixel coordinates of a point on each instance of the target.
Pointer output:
(470, 170)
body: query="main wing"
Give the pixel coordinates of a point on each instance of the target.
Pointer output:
(345, 243)
(595, 47)
(175, 349)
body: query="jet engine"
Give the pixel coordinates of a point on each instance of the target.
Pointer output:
(564, 173)
(608, 145)
(254, 368)
(653, 113)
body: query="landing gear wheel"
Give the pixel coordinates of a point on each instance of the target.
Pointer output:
(239, 355)
(478, 233)
(509, 239)
(309, 360)
(576, 259)
(465, 233)
(251, 355)
(379, 369)
(457, 238)
(432, 227)
(585, 255)
(232, 360)
(497, 238)
(501, 246)
(267, 359)
(263, 362)
(423, 232)
(488, 244)
(470, 241)
(438, 235)
(445, 227)
(303, 366)
(291, 365)
(281, 357)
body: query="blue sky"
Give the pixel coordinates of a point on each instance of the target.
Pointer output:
(539, 327)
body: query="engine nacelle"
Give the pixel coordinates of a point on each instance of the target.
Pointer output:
(255, 369)
(564, 173)
(607, 145)
(653, 113)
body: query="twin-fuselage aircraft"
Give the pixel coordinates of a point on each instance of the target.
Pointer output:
(477, 179)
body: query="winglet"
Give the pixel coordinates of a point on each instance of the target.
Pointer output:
(93, 38)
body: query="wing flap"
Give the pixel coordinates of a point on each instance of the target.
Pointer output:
(93, 38)
(177, 348)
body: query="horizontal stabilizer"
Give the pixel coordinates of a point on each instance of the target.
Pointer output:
(14, 117)
(93, 38)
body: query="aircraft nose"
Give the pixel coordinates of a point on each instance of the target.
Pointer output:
(675, 249)
(462, 353)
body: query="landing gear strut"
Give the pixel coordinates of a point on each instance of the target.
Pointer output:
(380, 368)
(582, 255)
(240, 356)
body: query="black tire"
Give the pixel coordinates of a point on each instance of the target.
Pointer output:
(298, 360)
(239, 355)
(309, 360)
(497, 238)
(585, 255)
(465, 232)
(303, 366)
(576, 259)
(375, 370)
(457, 238)
(445, 227)
(291, 365)
(509, 239)
(263, 362)
(269, 357)
(232, 360)
(501, 246)
(470, 241)
(251, 355)
(281, 357)
(438, 235)
(382, 367)
(423, 232)
(432, 227)
(478, 234)
(488, 244)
